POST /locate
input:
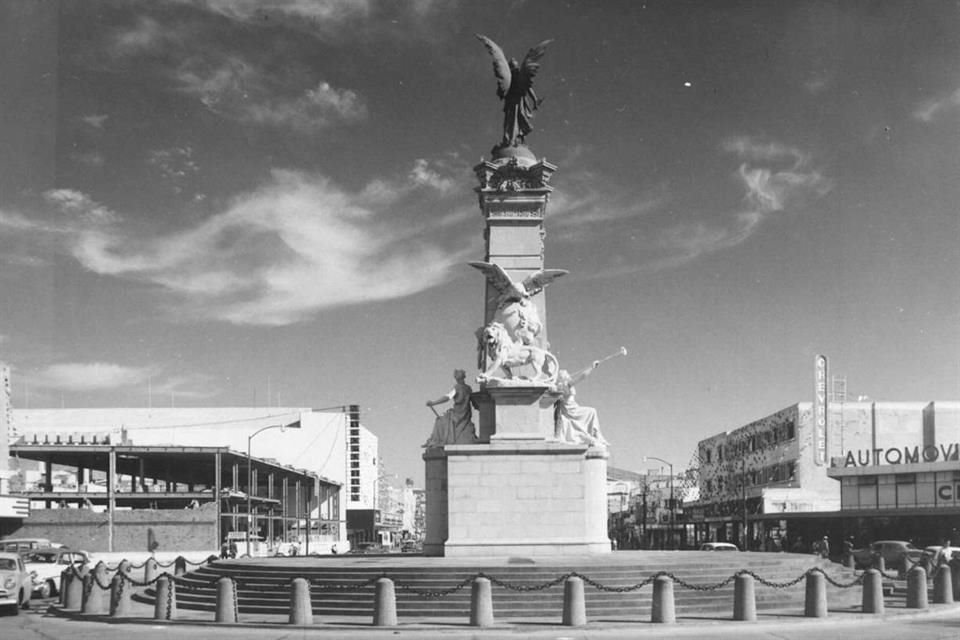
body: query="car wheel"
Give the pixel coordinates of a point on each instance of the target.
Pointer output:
(45, 590)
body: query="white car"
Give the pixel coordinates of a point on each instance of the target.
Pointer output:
(45, 566)
(718, 546)
(15, 584)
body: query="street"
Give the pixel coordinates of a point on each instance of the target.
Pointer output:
(938, 623)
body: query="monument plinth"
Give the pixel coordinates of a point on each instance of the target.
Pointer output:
(534, 481)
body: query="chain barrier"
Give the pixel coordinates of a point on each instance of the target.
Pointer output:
(236, 600)
(194, 583)
(168, 614)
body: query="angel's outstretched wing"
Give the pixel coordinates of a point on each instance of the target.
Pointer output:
(530, 66)
(501, 67)
(535, 282)
(495, 275)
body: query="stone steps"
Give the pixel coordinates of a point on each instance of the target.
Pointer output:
(263, 588)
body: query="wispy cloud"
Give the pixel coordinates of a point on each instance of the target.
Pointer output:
(774, 177)
(237, 89)
(96, 120)
(276, 255)
(259, 10)
(80, 206)
(88, 376)
(931, 109)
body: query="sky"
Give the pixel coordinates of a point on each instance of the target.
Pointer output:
(266, 203)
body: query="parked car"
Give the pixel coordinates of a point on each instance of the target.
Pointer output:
(45, 566)
(15, 585)
(930, 554)
(892, 552)
(718, 546)
(19, 545)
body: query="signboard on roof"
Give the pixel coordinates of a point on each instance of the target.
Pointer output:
(820, 410)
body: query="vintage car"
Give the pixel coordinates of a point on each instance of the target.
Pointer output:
(718, 546)
(19, 545)
(15, 585)
(45, 566)
(892, 552)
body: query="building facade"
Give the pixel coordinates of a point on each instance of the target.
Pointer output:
(782, 481)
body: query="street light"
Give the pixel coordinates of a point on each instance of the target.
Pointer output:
(250, 520)
(672, 505)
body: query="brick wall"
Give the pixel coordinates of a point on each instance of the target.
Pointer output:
(173, 529)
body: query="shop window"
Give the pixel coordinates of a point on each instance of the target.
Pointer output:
(867, 492)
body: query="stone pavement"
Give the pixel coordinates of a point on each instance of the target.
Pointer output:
(840, 623)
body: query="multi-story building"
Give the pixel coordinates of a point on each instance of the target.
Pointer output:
(772, 484)
(640, 512)
(330, 444)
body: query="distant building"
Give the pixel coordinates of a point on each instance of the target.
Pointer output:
(639, 510)
(772, 484)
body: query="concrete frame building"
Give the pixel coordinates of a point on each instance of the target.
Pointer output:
(841, 469)
(323, 447)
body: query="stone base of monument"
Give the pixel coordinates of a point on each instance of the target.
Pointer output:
(516, 497)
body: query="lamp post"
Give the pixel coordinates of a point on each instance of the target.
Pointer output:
(250, 520)
(672, 505)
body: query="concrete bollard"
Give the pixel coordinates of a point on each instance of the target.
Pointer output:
(872, 592)
(179, 566)
(165, 606)
(663, 609)
(815, 598)
(917, 588)
(301, 609)
(385, 604)
(744, 599)
(226, 601)
(150, 568)
(574, 604)
(119, 596)
(73, 594)
(849, 561)
(124, 567)
(92, 595)
(65, 577)
(943, 585)
(880, 564)
(955, 574)
(481, 603)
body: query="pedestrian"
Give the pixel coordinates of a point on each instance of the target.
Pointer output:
(943, 556)
(233, 549)
(825, 547)
(224, 550)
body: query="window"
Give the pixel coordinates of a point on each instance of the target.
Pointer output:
(706, 454)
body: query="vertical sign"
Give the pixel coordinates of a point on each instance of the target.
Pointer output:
(820, 410)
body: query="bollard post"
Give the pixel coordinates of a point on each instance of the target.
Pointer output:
(872, 592)
(165, 606)
(385, 604)
(955, 574)
(943, 585)
(179, 566)
(124, 567)
(663, 609)
(226, 601)
(65, 577)
(481, 603)
(301, 609)
(744, 600)
(849, 561)
(119, 596)
(815, 598)
(880, 564)
(73, 597)
(92, 595)
(917, 588)
(574, 605)
(149, 570)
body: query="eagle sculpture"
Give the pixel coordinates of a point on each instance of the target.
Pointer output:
(511, 291)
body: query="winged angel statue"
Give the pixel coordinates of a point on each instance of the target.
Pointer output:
(515, 88)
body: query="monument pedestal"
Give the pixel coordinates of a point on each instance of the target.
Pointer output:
(523, 493)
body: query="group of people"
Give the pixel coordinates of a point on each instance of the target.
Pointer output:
(573, 422)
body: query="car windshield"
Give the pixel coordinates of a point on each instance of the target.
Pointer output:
(42, 557)
(8, 564)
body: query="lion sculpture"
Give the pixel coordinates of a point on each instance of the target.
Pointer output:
(503, 353)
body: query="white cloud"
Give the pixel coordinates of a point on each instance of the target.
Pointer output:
(774, 176)
(258, 10)
(234, 88)
(930, 109)
(88, 376)
(96, 120)
(276, 255)
(80, 206)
